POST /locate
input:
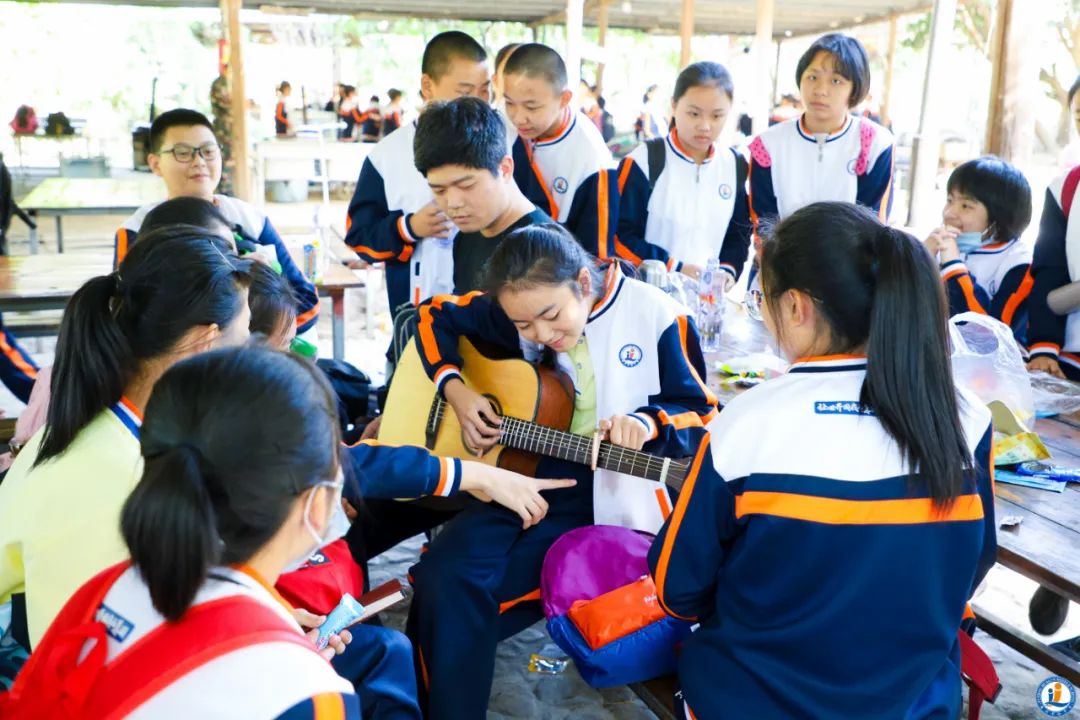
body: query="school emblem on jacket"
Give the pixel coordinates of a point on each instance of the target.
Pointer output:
(630, 355)
(725, 191)
(1056, 696)
(560, 185)
(851, 166)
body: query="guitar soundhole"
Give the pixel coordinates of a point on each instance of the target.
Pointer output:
(496, 405)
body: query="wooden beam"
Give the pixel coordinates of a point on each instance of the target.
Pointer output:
(601, 40)
(890, 63)
(575, 21)
(1010, 126)
(556, 18)
(686, 32)
(241, 174)
(761, 104)
(925, 201)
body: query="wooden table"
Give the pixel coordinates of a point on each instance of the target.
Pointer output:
(1044, 547)
(336, 280)
(59, 197)
(46, 282)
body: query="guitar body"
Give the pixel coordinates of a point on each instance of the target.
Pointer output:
(515, 388)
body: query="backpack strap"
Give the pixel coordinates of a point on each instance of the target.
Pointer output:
(1068, 191)
(742, 169)
(978, 672)
(657, 155)
(172, 650)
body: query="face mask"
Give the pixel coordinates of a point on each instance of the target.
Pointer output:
(336, 528)
(969, 242)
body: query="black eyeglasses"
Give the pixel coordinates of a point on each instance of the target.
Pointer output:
(186, 153)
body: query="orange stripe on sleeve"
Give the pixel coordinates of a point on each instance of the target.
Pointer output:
(442, 477)
(664, 502)
(425, 328)
(534, 595)
(683, 331)
(328, 706)
(16, 358)
(1017, 297)
(553, 207)
(968, 289)
(305, 317)
(624, 173)
(602, 214)
(674, 522)
(121, 245)
(834, 511)
(626, 253)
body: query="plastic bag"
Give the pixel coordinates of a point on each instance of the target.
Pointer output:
(987, 361)
(1054, 396)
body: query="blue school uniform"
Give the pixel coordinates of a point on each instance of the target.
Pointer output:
(18, 371)
(1056, 263)
(693, 213)
(793, 551)
(992, 280)
(479, 580)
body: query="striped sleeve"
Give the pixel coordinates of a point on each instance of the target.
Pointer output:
(634, 195)
(677, 414)
(686, 555)
(307, 297)
(402, 472)
(963, 293)
(1009, 304)
(594, 213)
(444, 319)
(1049, 271)
(325, 706)
(371, 229)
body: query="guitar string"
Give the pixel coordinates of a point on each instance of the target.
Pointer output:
(531, 437)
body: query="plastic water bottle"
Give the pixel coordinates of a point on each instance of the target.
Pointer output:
(710, 306)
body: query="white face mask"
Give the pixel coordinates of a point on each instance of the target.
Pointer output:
(336, 528)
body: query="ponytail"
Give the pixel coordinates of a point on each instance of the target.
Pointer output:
(909, 381)
(93, 364)
(878, 288)
(169, 527)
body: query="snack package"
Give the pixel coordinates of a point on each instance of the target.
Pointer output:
(348, 612)
(1014, 443)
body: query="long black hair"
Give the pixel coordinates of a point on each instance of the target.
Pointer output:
(214, 489)
(1001, 188)
(173, 279)
(545, 254)
(877, 287)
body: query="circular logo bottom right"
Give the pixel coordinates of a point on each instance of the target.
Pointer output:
(1056, 696)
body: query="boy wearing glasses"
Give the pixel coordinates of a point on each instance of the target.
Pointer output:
(186, 155)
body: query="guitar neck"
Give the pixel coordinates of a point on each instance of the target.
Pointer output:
(524, 435)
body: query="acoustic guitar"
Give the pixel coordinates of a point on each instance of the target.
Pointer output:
(536, 404)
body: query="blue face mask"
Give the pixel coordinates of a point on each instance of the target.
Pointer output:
(969, 241)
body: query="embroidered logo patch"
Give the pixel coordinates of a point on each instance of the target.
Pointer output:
(116, 625)
(560, 185)
(630, 355)
(840, 407)
(851, 167)
(1056, 696)
(725, 191)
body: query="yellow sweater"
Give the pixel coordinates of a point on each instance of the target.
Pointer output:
(60, 522)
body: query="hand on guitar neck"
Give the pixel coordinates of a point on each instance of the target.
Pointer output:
(478, 419)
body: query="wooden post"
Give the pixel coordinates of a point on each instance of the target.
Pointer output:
(575, 19)
(925, 202)
(1010, 126)
(238, 98)
(686, 32)
(760, 105)
(602, 24)
(890, 63)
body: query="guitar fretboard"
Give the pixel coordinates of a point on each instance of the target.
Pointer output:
(531, 437)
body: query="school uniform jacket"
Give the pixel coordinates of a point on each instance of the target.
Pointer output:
(253, 225)
(993, 280)
(826, 584)
(694, 213)
(791, 168)
(270, 679)
(390, 190)
(402, 471)
(646, 361)
(281, 118)
(570, 176)
(1056, 263)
